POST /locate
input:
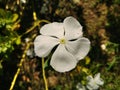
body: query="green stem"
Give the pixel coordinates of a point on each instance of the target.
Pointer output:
(35, 24)
(19, 68)
(44, 77)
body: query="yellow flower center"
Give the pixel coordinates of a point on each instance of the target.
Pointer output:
(62, 41)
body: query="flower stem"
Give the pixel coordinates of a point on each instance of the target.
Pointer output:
(44, 77)
(35, 24)
(19, 68)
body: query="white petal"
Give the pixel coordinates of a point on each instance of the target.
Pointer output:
(92, 86)
(89, 78)
(79, 48)
(73, 29)
(44, 44)
(53, 29)
(62, 60)
(98, 80)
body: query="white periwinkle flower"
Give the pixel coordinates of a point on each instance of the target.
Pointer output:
(71, 45)
(94, 83)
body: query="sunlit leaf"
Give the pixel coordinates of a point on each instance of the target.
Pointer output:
(87, 60)
(18, 41)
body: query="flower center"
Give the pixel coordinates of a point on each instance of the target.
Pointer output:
(62, 41)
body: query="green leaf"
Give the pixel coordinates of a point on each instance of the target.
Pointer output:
(1, 68)
(46, 63)
(7, 18)
(1, 65)
(2, 13)
(18, 41)
(14, 17)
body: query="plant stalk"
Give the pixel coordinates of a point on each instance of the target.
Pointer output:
(44, 76)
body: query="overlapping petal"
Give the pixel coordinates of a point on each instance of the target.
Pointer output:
(62, 60)
(79, 48)
(98, 80)
(91, 83)
(89, 78)
(94, 83)
(92, 86)
(53, 29)
(72, 27)
(44, 44)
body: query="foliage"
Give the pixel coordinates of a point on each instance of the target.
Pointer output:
(8, 36)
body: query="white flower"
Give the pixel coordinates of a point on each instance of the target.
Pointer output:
(79, 86)
(27, 40)
(30, 52)
(94, 83)
(103, 47)
(71, 45)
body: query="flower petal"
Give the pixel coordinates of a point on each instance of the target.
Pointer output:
(98, 80)
(89, 78)
(79, 48)
(92, 86)
(62, 60)
(53, 29)
(73, 29)
(44, 44)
